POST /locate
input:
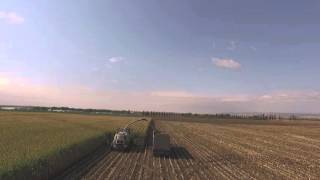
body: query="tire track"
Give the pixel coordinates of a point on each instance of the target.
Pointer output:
(83, 166)
(202, 160)
(135, 170)
(200, 150)
(104, 164)
(118, 168)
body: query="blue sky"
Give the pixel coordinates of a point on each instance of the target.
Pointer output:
(194, 56)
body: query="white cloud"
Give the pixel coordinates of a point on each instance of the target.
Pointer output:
(4, 82)
(290, 96)
(108, 65)
(11, 17)
(232, 46)
(253, 48)
(265, 97)
(213, 45)
(226, 63)
(171, 94)
(114, 81)
(235, 98)
(95, 69)
(116, 59)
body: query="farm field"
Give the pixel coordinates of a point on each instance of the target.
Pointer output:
(42, 144)
(216, 150)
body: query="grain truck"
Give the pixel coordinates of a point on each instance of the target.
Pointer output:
(161, 144)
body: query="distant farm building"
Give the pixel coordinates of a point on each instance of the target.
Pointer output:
(8, 108)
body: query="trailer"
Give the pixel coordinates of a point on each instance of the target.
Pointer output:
(161, 144)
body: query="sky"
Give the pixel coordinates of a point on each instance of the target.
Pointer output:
(186, 56)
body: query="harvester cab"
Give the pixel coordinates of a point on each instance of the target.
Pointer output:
(123, 137)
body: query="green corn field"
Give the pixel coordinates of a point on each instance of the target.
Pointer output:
(41, 144)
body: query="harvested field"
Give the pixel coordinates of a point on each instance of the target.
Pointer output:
(216, 150)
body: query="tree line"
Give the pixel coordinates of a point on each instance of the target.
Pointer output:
(261, 116)
(157, 114)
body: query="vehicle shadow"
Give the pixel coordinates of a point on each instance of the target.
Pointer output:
(179, 152)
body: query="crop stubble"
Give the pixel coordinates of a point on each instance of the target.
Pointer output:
(281, 150)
